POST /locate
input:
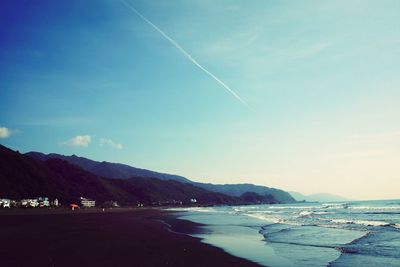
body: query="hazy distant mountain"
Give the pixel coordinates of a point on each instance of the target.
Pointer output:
(122, 171)
(108, 169)
(320, 197)
(240, 189)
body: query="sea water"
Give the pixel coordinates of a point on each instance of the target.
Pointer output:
(362, 233)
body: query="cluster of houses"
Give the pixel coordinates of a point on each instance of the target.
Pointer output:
(173, 202)
(90, 203)
(39, 202)
(43, 202)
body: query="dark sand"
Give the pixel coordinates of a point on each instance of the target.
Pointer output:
(112, 238)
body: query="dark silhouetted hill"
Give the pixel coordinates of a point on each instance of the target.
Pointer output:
(122, 171)
(22, 176)
(107, 169)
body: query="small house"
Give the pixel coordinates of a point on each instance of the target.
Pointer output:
(5, 203)
(55, 203)
(88, 203)
(43, 202)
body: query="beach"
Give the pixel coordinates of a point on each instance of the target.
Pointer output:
(119, 237)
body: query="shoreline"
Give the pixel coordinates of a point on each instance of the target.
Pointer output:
(116, 237)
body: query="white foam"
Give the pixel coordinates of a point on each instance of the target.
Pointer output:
(197, 209)
(268, 218)
(293, 207)
(323, 212)
(305, 213)
(262, 211)
(335, 205)
(361, 222)
(375, 207)
(372, 223)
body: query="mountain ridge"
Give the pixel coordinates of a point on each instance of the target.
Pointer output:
(113, 170)
(123, 171)
(24, 177)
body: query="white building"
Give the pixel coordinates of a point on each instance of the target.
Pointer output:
(5, 203)
(43, 202)
(88, 203)
(55, 203)
(33, 203)
(24, 202)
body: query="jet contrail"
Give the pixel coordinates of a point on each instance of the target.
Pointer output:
(186, 54)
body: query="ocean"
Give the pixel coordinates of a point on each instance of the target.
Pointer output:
(360, 233)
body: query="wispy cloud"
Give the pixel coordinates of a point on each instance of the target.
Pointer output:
(111, 143)
(376, 137)
(366, 153)
(185, 53)
(5, 132)
(79, 141)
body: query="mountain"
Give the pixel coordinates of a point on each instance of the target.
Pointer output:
(319, 197)
(240, 189)
(108, 169)
(122, 171)
(24, 177)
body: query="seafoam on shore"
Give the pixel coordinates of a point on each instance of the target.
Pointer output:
(362, 233)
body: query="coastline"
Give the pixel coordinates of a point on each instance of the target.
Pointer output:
(363, 233)
(116, 237)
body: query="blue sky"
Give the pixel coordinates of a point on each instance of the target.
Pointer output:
(321, 81)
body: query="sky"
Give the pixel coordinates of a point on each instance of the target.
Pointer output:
(298, 95)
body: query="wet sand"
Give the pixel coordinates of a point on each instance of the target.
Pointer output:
(122, 237)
